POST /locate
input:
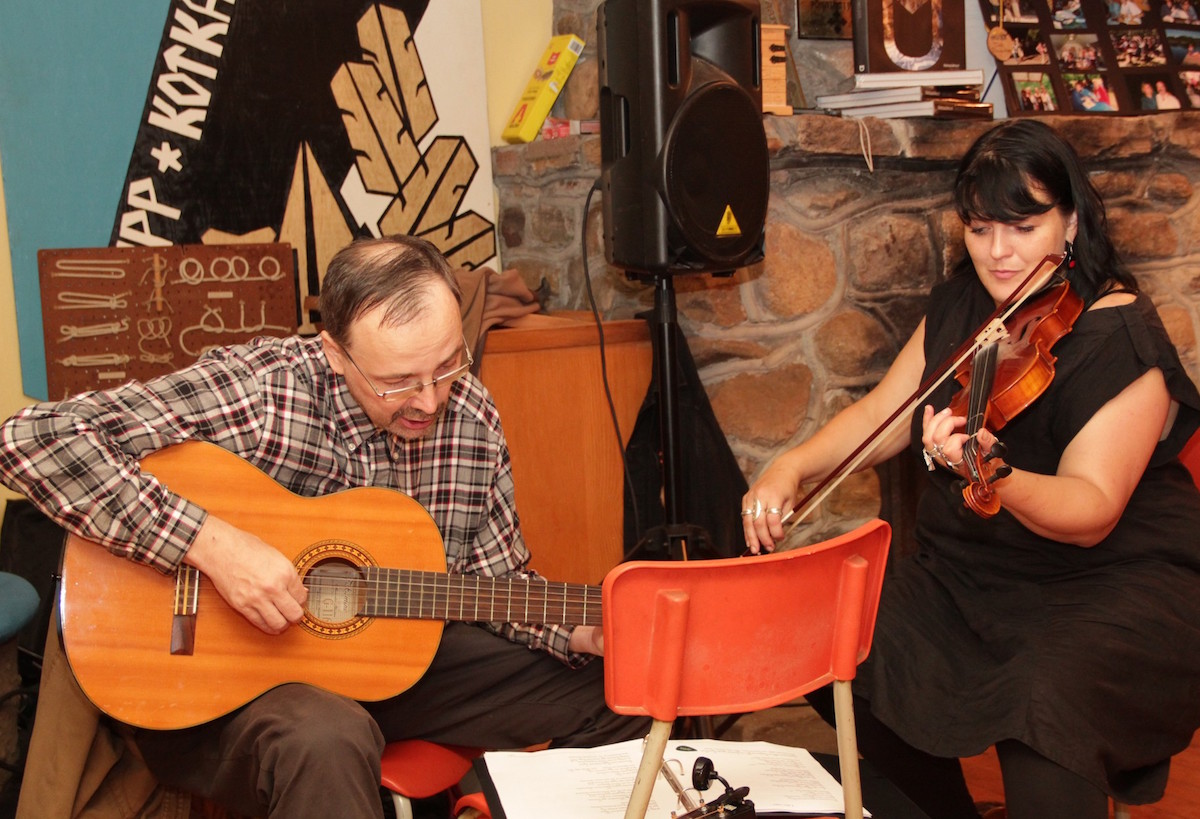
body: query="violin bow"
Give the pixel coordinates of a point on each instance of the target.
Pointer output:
(991, 331)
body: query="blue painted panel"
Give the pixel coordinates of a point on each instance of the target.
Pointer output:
(73, 80)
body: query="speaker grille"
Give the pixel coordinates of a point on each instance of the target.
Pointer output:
(716, 174)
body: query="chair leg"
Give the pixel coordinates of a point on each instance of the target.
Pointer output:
(648, 768)
(403, 806)
(1120, 810)
(847, 739)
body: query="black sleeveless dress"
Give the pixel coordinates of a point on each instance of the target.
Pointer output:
(991, 632)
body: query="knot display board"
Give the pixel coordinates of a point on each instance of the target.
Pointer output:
(113, 314)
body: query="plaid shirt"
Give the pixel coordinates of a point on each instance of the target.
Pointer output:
(276, 403)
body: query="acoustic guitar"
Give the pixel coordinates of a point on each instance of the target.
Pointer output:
(164, 652)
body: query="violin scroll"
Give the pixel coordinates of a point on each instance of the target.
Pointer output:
(983, 469)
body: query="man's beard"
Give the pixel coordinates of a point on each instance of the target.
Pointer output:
(407, 433)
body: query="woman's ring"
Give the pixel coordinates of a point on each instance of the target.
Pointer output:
(774, 510)
(754, 512)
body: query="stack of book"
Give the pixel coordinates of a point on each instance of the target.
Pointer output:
(951, 94)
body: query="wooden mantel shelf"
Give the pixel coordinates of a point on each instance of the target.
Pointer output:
(819, 139)
(813, 137)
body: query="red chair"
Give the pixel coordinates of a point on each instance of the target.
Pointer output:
(707, 637)
(1190, 456)
(416, 769)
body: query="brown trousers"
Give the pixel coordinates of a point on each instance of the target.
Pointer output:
(298, 751)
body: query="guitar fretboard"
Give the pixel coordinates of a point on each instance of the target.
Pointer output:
(472, 598)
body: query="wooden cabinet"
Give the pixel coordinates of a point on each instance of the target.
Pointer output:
(544, 372)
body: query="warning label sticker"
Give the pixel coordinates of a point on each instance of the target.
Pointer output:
(729, 225)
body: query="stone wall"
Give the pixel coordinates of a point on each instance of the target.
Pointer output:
(852, 246)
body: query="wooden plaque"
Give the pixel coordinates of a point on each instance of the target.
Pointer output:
(113, 314)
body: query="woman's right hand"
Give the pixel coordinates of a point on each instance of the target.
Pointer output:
(765, 503)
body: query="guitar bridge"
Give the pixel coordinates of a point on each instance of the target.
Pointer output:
(183, 618)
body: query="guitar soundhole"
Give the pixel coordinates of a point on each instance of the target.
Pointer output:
(335, 592)
(333, 574)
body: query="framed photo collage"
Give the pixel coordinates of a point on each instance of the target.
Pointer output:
(1104, 57)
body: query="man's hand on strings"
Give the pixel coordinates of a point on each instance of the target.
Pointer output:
(256, 579)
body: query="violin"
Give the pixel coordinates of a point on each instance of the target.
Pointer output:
(1003, 377)
(993, 330)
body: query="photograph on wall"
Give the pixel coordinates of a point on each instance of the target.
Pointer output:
(1035, 92)
(1179, 11)
(1127, 12)
(1183, 45)
(1191, 87)
(1102, 57)
(1151, 92)
(1068, 14)
(1029, 47)
(1077, 52)
(1089, 94)
(1017, 11)
(1139, 48)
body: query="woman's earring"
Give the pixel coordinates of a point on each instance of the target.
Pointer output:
(1069, 254)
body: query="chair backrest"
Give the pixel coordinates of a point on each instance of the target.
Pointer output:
(740, 634)
(1190, 456)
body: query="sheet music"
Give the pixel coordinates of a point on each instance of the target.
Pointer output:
(595, 783)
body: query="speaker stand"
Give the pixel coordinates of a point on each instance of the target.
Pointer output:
(676, 539)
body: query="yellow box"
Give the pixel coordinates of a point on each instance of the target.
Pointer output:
(543, 89)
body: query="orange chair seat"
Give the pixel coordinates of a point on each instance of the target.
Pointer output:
(419, 769)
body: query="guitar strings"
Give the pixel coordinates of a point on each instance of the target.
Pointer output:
(409, 594)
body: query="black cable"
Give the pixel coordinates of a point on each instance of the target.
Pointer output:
(612, 408)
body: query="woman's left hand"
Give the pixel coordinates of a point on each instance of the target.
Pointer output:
(944, 441)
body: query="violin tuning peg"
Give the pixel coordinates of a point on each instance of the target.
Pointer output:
(1002, 471)
(998, 450)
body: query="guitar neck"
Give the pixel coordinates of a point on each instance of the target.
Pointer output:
(421, 595)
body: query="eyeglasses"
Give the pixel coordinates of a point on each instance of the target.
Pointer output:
(415, 389)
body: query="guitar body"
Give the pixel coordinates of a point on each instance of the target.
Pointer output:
(119, 618)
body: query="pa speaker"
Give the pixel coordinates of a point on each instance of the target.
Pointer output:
(684, 164)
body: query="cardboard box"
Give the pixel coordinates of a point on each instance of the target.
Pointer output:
(543, 88)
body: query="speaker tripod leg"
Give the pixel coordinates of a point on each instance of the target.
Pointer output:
(676, 539)
(666, 324)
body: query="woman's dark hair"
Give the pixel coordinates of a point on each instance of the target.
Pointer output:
(1006, 176)
(397, 271)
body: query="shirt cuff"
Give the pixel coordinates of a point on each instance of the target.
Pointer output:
(171, 532)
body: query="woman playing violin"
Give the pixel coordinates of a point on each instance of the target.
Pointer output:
(1065, 629)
